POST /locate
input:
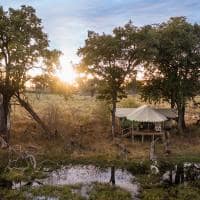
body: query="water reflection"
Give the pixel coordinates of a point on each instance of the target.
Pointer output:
(86, 175)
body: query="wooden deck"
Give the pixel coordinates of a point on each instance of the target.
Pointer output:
(129, 132)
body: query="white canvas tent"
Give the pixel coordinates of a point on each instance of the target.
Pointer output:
(146, 114)
(167, 112)
(123, 112)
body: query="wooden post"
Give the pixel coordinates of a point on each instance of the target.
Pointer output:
(152, 155)
(167, 142)
(132, 136)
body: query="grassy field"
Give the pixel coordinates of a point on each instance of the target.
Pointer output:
(99, 192)
(83, 131)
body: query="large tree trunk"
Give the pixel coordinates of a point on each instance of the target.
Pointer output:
(181, 117)
(113, 118)
(28, 107)
(5, 117)
(172, 100)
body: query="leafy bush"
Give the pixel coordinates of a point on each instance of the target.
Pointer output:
(129, 102)
(138, 167)
(107, 192)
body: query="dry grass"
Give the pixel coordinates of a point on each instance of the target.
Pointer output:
(83, 130)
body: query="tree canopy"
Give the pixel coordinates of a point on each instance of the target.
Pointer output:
(171, 56)
(111, 59)
(23, 47)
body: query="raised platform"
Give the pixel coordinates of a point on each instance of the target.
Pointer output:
(132, 133)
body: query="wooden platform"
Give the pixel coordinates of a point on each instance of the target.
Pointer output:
(134, 133)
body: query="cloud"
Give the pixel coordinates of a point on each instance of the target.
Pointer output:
(67, 21)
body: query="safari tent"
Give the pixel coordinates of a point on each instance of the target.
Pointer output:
(143, 120)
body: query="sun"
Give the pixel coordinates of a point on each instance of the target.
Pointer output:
(66, 73)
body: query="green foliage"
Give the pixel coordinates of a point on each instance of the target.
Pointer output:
(99, 192)
(7, 194)
(141, 167)
(125, 123)
(171, 57)
(152, 189)
(87, 86)
(195, 183)
(129, 102)
(172, 193)
(4, 160)
(107, 192)
(62, 192)
(165, 165)
(111, 60)
(155, 194)
(149, 181)
(23, 45)
(16, 175)
(21, 174)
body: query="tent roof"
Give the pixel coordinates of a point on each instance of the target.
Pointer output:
(146, 114)
(167, 112)
(123, 112)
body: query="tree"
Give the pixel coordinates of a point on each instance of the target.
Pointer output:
(41, 82)
(87, 85)
(61, 88)
(52, 84)
(111, 59)
(171, 56)
(23, 47)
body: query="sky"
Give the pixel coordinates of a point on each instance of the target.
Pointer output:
(67, 21)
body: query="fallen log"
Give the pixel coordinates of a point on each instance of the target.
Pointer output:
(25, 104)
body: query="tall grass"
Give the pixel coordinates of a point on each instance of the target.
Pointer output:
(85, 122)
